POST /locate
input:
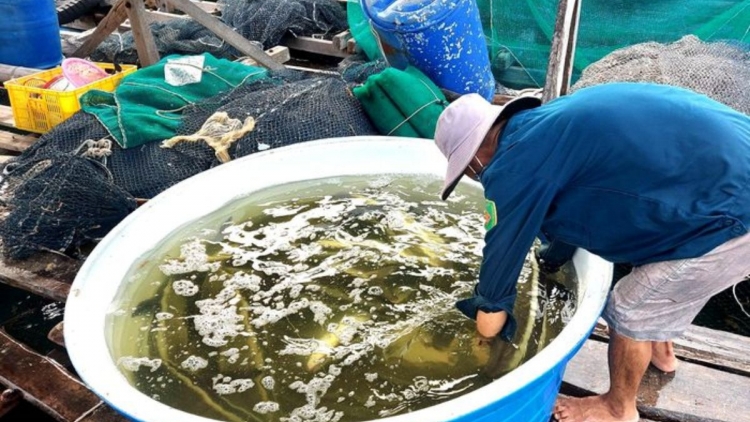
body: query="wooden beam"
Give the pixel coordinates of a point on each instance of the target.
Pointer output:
(44, 383)
(56, 335)
(278, 53)
(315, 45)
(148, 54)
(560, 66)
(6, 117)
(26, 280)
(692, 393)
(341, 39)
(226, 33)
(116, 16)
(15, 142)
(8, 72)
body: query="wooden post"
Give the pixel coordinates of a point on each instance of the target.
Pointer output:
(116, 16)
(144, 39)
(560, 67)
(227, 34)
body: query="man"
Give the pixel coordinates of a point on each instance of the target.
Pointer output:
(649, 175)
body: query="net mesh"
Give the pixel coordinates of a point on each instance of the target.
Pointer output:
(519, 33)
(285, 114)
(57, 201)
(719, 70)
(265, 22)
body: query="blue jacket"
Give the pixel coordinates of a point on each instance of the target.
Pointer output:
(635, 173)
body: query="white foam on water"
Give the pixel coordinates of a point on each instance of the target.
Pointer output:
(163, 316)
(268, 382)
(52, 310)
(193, 258)
(226, 385)
(133, 364)
(185, 288)
(265, 407)
(232, 354)
(194, 363)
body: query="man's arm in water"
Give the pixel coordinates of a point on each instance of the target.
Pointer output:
(518, 204)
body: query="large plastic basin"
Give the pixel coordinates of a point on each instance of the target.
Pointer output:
(526, 394)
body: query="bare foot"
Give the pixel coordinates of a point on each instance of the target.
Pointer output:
(663, 357)
(592, 409)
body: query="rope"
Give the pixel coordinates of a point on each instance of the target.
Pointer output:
(437, 100)
(739, 302)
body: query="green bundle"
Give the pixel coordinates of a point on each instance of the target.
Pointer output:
(402, 102)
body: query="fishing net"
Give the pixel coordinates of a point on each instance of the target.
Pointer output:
(720, 70)
(285, 113)
(265, 22)
(59, 203)
(143, 171)
(519, 33)
(56, 200)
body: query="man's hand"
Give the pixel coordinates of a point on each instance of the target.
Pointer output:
(490, 324)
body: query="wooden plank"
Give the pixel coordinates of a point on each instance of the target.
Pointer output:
(43, 382)
(713, 348)
(56, 335)
(6, 117)
(148, 54)
(103, 413)
(559, 69)
(562, 396)
(153, 16)
(226, 33)
(8, 72)
(278, 53)
(692, 393)
(315, 45)
(109, 24)
(341, 39)
(15, 142)
(26, 280)
(208, 6)
(9, 399)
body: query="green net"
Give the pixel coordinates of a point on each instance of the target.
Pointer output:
(519, 33)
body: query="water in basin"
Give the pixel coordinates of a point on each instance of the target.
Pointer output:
(322, 300)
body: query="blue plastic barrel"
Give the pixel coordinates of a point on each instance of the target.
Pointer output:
(442, 38)
(29, 34)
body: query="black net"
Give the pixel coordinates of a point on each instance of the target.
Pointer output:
(286, 113)
(59, 203)
(143, 171)
(265, 22)
(356, 69)
(56, 200)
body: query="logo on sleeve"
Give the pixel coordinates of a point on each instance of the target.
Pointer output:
(490, 214)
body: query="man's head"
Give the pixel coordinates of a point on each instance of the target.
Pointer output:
(462, 128)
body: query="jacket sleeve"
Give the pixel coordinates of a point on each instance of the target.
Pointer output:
(521, 204)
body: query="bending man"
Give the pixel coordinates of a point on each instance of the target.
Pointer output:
(649, 175)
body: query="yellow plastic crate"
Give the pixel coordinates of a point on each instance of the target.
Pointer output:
(38, 110)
